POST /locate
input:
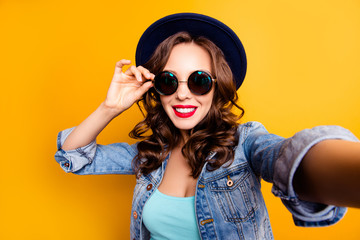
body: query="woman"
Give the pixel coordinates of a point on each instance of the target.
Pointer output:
(198, 171)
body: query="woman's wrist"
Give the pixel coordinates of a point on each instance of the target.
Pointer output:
(108, 112)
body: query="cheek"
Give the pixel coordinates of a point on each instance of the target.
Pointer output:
(162, 100)
(208, 107)
(210, 98)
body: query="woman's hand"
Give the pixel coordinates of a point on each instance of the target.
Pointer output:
(127, 87)
(330, 174)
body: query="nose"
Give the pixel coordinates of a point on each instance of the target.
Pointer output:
(183, 91)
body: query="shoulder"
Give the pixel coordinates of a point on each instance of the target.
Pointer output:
(250, 128)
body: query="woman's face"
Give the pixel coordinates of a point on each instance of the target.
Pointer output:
(184, 108)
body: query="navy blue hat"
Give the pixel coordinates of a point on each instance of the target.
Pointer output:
(195, 25)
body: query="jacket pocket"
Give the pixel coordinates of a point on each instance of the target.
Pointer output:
(235, 194)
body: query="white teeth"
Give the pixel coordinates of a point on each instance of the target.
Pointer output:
(184, 110)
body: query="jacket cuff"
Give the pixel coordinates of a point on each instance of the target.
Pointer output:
(305, 213)
(73, 160)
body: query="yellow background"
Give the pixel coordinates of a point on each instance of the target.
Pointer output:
(56, 62)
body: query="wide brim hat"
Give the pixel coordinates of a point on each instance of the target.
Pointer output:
(196, 25)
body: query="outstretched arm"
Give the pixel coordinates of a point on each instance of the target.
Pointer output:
(330, 174)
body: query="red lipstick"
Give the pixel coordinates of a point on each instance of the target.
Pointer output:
(184, 111)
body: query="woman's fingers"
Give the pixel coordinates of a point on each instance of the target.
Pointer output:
(136, 72)
(119, 65)
(143, 89)
(146, 73)
(140, 73)
(127, 86)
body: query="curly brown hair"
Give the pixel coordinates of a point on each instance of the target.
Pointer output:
(216, 133)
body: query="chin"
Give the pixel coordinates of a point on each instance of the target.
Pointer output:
(185, 125)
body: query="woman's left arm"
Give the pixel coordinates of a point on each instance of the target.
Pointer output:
(330, 173)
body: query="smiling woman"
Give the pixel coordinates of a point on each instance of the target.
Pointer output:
(180, 106)
(183, 104)
(198, 158)
(183, 54)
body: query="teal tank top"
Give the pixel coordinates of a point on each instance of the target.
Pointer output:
(168, 217)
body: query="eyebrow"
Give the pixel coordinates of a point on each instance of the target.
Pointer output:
(169, 70)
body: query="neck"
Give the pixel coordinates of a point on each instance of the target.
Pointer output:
(185, 135)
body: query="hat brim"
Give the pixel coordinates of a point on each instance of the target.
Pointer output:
(196, 25)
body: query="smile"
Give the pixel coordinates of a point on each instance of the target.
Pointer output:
(184, 111)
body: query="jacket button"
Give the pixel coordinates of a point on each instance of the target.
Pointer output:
(135, 214)
(230, 183)
(66, 164)
(149, 187)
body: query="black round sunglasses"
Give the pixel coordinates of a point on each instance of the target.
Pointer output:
(199, 82)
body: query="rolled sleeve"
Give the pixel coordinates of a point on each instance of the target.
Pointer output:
(73, 160)
(291, 154)
(95, 158)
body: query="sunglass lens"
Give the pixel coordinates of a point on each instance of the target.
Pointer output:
(166, 83)
(200, 82)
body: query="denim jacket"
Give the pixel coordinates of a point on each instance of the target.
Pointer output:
(228, 201)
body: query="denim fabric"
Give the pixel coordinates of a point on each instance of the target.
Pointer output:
(228, 201)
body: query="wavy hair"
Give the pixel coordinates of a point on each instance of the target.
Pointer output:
(216, 133)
